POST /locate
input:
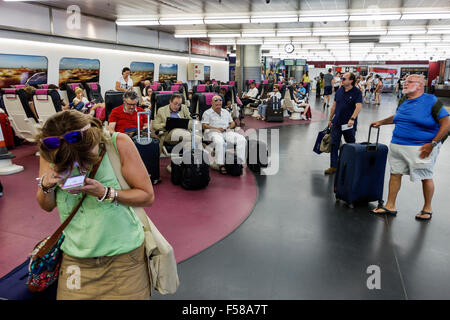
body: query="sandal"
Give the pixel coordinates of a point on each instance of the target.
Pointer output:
(386, 211)
(422, 213)
(223, 170)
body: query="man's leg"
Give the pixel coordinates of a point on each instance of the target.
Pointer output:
(238, 140)
(219, 147)
(428, 191)
(395, 183)
(335, 143)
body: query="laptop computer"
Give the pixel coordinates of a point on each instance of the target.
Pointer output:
(176, 123)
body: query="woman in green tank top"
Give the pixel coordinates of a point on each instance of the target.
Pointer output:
(103, 246)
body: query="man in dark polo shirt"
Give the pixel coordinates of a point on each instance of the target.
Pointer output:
(124, 118)
(343, 116)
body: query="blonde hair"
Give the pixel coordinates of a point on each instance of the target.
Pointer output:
(78, 90)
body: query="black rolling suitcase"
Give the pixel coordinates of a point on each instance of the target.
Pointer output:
(360, 172)
(148, 149)
(113, 99)
(257, 155)
(192, 170)
(233, 165)
(274, 113)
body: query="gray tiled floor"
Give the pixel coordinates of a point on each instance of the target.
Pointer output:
(299, 244)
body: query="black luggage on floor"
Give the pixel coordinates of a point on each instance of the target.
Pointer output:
(149, 150)
(233, 165)
(13, 286)
(113, 99)
(360, 172)
(274, 113)
(192, 170)
(257, 155)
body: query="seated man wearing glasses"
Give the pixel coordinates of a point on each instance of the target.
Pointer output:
(124, 118)
(174, 110)
(218, 125)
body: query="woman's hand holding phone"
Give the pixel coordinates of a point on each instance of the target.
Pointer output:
(91, 187)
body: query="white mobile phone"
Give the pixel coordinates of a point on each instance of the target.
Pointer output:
(345, 127)
(74, 182)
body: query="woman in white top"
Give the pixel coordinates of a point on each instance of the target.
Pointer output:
(337, 81)
(125, 83)
(263, 106)
(362, 86)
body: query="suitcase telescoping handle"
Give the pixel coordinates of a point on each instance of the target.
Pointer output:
(368, 140)
(139, 125)
(194, 118)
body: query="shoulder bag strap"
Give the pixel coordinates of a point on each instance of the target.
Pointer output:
(114, 159)
(55, 237)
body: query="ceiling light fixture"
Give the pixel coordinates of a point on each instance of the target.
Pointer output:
(137, 22)
(177, 21)
(319, 18)
(375, 16)
(425, 15)
(227, 20)
(274, 19)
(224, 35)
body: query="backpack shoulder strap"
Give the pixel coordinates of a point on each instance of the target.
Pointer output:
(437, 109)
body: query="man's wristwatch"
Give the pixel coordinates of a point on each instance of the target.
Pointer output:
(434, 143)
(352, 119)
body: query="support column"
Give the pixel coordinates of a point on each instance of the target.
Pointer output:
(252, 63)
(248, 65)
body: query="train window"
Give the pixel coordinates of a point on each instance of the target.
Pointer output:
(141, 71)
(73, 70)
(168, 72)
(17, 69)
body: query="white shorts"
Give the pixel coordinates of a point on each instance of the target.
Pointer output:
(405, 160)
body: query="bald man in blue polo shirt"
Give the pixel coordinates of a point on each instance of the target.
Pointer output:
(343, 116)
(421, 125)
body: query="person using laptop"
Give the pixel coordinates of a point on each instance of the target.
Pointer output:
(176, 134)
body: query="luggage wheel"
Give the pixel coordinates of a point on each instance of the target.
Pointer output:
(351, 205)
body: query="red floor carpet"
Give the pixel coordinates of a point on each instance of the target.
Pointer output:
(190, 220)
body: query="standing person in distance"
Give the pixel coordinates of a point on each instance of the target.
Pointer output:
(343, 117)
(328, 82)
(125, 83)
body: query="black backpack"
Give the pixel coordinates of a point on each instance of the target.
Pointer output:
(257, 155)
(234, 168)
(195, 175)
(193, 171)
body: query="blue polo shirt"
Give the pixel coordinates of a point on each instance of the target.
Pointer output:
(346, 104)
(414, 124)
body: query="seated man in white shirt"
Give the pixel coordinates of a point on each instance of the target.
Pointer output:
(217, 125)
(251, 95)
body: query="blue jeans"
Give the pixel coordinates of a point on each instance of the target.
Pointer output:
(336, 134)
(262, 110)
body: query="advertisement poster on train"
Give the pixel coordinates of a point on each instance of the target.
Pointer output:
(73, 70)
(18, 69)
(141, 71)
(168, 71)
(207, 73)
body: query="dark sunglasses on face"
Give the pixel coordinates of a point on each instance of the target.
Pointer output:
(72, 137)
(343, 79)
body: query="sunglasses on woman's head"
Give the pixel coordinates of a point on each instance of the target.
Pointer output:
(72, 137)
